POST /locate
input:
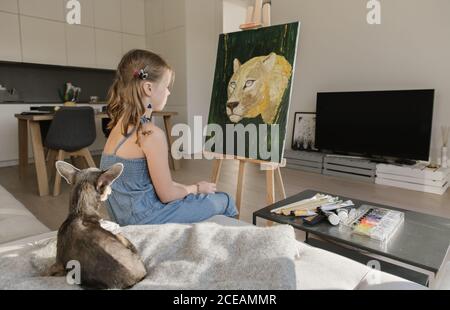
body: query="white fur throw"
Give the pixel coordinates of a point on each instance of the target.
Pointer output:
(199, 256)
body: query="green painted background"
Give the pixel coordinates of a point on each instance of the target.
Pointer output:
(244, 45)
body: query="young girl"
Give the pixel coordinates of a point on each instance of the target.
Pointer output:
(145, 192)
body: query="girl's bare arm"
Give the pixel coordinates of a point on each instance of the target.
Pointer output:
(156, 152)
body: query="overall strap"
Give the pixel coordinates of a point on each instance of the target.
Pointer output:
(144, 119)
(124, 139)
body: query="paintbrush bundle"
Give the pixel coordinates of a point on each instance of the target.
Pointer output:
(303, 206)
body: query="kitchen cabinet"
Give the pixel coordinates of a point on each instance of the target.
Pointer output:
(80, 46)
(9, 153)
(9, 6)
(10, 37)
(109, 48)
(49, 9)
(154, 12)
(130, 42)
(133, 17)
(107, 14)
(43, 41)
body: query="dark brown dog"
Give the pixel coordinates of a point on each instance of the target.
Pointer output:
(106, 260)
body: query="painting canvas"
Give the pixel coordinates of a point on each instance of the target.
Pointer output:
(303, 136)
(252, 85)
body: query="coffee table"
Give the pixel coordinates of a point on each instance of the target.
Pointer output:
(415, 252)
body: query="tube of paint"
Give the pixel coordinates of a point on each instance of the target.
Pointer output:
(332, 217)
(332, 207)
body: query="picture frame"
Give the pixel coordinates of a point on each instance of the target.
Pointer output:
(304, 132)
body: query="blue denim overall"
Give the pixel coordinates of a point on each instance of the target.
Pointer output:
(133, 200)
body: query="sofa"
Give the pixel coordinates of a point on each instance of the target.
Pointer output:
(16, 222)
(318, 269)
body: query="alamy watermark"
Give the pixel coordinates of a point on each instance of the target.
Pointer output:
(374, 14)
(374, 278)
(73, 16)
(73, 276)
(251, 141)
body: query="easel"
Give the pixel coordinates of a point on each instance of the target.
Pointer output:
(257, 16)
(273, 174)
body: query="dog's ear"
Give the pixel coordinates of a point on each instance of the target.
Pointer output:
(67, 171)
(109, 176)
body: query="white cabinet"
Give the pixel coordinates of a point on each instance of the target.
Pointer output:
(9, 131)
(107, 14)
(133, 16)
(50, 9)
(36, 31)
(9, 6)
(10, 37)
(154, 13)
(130, 42)
(80, 46)
(43, 41)
(109, 48)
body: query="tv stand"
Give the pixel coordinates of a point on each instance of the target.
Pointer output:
(379, 160)
(405, 162)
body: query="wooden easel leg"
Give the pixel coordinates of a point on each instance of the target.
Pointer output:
(174, 164)
(240, 185)
(270, 190)
(217, 166)
(280, 183)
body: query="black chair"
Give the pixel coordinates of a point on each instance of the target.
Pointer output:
(105, 122)
(71, 132)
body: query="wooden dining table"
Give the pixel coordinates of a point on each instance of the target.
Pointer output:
(31, 123)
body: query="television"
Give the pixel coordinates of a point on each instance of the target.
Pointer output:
(377, 124)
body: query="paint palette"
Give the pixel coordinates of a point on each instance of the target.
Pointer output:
(374, 222)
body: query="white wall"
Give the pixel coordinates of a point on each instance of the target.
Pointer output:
(185, 33)
(204, 24)
(166, 36)
(36, 31)
(234, 14)
(340, 51)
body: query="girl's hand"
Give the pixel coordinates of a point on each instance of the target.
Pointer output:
(206, 188)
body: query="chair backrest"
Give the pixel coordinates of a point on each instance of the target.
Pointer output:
(105, 122)
(72, 129)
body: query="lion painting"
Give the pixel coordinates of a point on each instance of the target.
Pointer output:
(257, 88)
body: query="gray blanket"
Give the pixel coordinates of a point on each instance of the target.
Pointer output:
(199, 256)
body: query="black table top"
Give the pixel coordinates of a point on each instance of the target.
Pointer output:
(421, 241)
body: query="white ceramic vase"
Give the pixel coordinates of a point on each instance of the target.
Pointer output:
(444, 158)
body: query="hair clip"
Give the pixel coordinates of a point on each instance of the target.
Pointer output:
(142, 73)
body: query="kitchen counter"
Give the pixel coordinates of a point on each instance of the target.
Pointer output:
(9, 129)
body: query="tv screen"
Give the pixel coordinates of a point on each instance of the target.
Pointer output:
(376, 123)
